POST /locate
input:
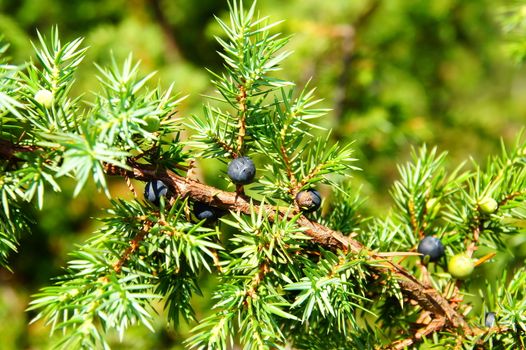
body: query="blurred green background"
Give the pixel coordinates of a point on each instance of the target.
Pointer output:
(396, 74)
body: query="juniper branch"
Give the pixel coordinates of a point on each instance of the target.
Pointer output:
(104, 140)
(425, 296)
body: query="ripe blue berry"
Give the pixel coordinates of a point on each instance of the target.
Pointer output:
(432, 247)
(154, 190)
(203, 211)
(489, 319)
(308, 200)
(241, 170)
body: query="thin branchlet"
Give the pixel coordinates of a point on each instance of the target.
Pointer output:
(293, 189)
(134, 245)
(242, 115)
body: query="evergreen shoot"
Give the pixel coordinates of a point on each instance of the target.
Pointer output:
(290, 275)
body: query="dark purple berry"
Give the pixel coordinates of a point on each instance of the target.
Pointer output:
(308, 200)
(241, 170)
(432, 247)
(154, 190)
(203, 211)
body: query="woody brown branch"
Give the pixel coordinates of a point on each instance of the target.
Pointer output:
(425, 296)
(8, 150)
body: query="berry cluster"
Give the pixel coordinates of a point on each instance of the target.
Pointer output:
(241, 172)
(154, 190)
(461, 265)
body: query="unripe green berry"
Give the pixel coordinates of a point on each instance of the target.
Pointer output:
(488, 205)
(460, 266)
(44, 97)
(153, 123)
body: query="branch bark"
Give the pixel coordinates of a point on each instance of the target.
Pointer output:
(8, 150)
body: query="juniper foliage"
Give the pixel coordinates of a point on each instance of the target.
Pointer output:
(332, 279)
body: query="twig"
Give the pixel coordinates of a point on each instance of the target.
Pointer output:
(429, 299)
(476, 235)
(215, 257)
(293, 189)
(433, 326)
(484, 258)
(412, 214)
(257, 279)
(242, 100)
(8, 150)
(511, 196)
(130, 186)
(286, 161)
(307, 177)
(134, 245)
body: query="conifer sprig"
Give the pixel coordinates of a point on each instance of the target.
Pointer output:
(286, 277)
